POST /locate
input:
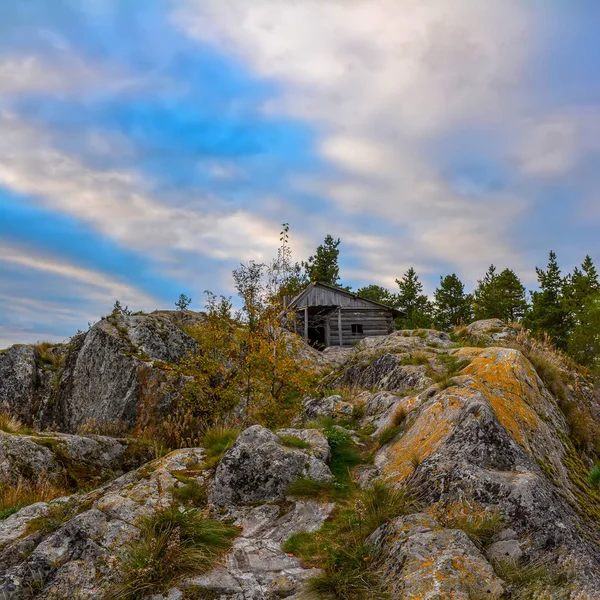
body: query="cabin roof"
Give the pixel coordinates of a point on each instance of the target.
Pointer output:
(305, 294)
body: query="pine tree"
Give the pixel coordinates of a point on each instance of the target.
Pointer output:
(378, 294)
(584, 342)
(418, 309)
(549, 313)
(323, 266)
(511, 296)
(579, 287)
(452, 305)
(485, 296)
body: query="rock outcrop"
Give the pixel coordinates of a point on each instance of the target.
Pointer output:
(491, 434)
(259, 468)
(100, 376)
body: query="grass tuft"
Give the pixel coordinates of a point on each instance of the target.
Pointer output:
(310, 488)
(173, 544)
(191, 493)
(10, 424)
(216, 441)
(349, 565)
(293, 442)
(594, 477)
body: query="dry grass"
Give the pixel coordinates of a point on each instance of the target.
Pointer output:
(10, 424)
(116, 428)
(25, 492)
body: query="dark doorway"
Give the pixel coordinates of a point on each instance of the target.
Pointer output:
(316, 336)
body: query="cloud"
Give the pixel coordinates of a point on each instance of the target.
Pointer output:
(383, 81)
(97, 286)
(120, 206)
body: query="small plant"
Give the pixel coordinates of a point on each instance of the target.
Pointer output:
(344, 455)
(173, 544)
(57, 516)
(415, 460)
(348, 564)
(293, 442)
(383, 503)
(594, 477)
(481, 526)
(216, 441)
(388, 434)
(183, 302)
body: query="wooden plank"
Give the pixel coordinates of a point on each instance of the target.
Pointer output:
(306, 324)
(340, 332)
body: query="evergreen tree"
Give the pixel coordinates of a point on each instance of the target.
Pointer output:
(323, 266)
(584, 342)
(549, 313)
(579, 287)
(500, 296)
(418, 309)
(378, 294)
(452, 305)
(485, 296)
(511, 296)
(183, 302)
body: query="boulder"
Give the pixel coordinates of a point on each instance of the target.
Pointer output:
(333, 407)
(420, 559)
(259, 468)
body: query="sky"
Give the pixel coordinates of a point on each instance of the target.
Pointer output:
(147, 148)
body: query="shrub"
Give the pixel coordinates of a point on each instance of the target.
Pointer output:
(173, 544)
(24, 492)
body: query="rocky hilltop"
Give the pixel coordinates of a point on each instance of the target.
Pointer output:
(424, 466)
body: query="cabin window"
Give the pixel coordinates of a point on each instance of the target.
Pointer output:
(357, 328)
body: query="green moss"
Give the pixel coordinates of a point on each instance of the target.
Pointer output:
(311, 489)
(57, 516)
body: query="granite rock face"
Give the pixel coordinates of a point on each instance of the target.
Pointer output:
(421, 559)
(100, 376)
(259, 468)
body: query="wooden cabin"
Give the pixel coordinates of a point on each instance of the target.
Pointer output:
(325, 316)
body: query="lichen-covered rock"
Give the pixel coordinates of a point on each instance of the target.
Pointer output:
(73, 459)
(256, 567)
(383, 372)
(316, 440)
(104, 375)
(259, 468)
(18, 379)
(60, 549)
(422, 560)
(496, 437)
(490, 330)
(333, 407)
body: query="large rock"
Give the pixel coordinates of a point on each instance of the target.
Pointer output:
(68, 558)
(497, 438)
(422, 560)
(259, 468)
(104, 376)
(68, 459)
